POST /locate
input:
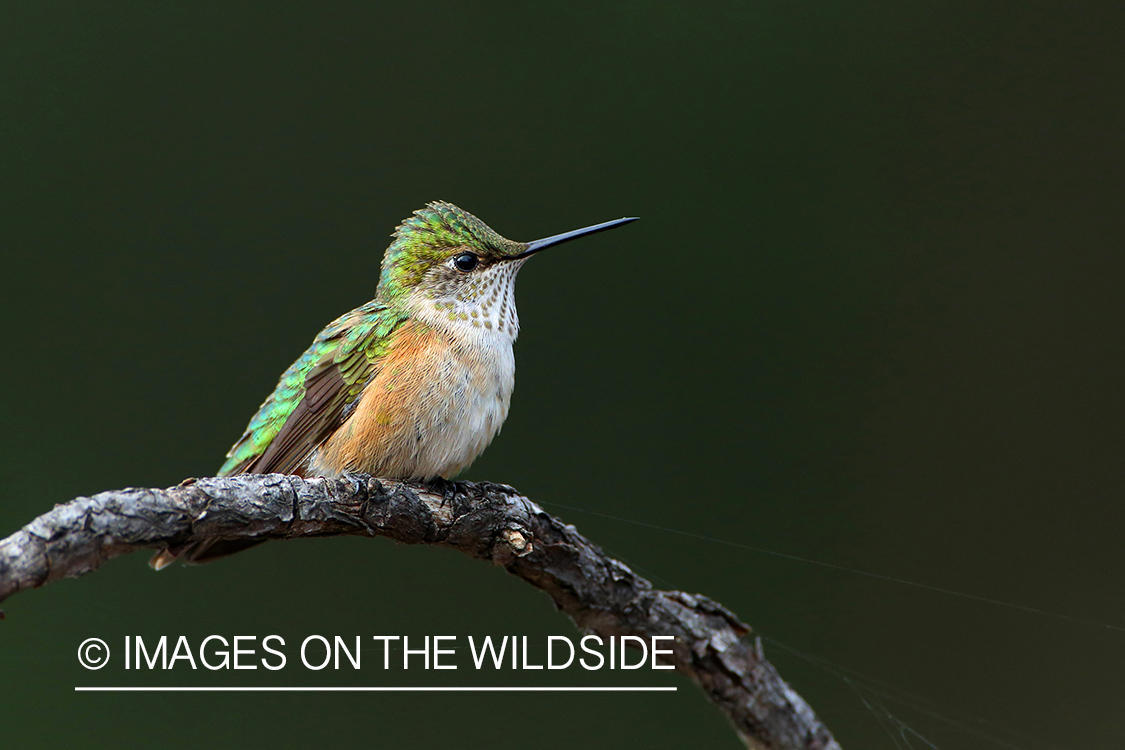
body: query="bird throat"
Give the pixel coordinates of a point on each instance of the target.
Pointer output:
(482, 306)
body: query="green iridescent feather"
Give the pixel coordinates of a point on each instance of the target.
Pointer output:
(311, 398)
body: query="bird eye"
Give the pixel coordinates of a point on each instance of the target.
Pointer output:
(465, 262)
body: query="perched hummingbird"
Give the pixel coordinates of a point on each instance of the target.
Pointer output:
(413, 385)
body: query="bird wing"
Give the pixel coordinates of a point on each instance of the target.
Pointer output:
(311, 399)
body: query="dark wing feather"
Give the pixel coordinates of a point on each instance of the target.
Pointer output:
(315, 417)
(311, 398)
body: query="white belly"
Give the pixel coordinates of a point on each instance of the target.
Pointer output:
(466, 399)
(464, 409)
(428, 415)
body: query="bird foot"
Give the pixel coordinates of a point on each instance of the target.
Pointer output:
(447, 488)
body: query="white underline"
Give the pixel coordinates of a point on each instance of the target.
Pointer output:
(481, 689)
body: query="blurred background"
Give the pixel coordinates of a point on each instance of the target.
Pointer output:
(871, 318)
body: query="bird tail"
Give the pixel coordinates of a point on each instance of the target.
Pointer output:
(198, 553)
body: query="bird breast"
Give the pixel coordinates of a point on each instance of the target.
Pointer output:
(441, 394)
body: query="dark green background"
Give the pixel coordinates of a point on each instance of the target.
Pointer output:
(872, 316)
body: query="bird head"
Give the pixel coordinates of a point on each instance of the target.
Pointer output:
(451, 266)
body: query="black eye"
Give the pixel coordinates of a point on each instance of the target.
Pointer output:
(465, 262)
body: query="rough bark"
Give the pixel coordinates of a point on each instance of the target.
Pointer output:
(485, 521)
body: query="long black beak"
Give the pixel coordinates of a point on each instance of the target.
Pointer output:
(537, 245)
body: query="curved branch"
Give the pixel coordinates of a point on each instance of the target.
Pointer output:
(485, 521)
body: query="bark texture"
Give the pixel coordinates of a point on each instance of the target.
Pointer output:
(485, 521)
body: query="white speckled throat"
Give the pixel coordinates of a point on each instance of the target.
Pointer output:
(483, 304)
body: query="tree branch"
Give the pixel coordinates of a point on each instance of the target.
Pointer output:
(485, 521)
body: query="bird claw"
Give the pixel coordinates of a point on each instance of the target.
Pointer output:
(447, 488)
(358, 481)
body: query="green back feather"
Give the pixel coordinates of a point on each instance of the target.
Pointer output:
(312, 395)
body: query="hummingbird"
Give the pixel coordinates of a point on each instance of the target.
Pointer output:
(413, 385)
